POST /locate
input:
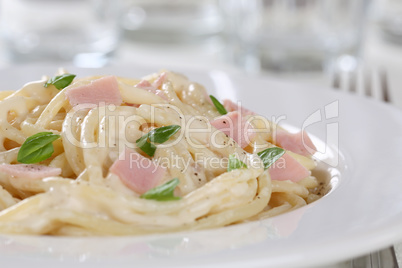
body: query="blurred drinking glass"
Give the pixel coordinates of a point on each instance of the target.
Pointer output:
(390, 19)
(171, 21)
(294, 35)
(84, 32)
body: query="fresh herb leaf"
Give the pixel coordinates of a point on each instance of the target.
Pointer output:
(218, 105)
(146, 146)
(60, 81)
(235, 163)
(37, 148)
(270, 156)
(141, 141)
(162, 134)
(157, 135)
(163, 192)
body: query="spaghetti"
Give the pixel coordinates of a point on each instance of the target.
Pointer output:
(101, 179)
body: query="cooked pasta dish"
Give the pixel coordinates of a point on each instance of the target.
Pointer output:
(108, 155)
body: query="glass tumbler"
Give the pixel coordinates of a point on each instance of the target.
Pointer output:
(390, 20)
(294, 35)
(171, 21)
(85, 32)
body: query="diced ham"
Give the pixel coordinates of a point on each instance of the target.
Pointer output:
(137, 172)
(287, 168)
(104, 90)
(144, 84)
(238, 128)
(30, 171)
(299, 143)
(230, 106)
(160, 80)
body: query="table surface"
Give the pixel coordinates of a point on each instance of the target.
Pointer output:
(377, 53)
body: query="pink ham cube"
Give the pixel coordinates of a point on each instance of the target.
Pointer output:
(287, 168)
(238, 128)
(104, 90)
(138, 173)
(299, 143)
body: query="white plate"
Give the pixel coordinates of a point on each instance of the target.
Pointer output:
(363, 213)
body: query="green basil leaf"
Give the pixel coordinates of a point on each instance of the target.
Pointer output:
(158, 135)
(60, 81)
(270, 156)
(164, 192)
(162, 134)
(37, 148)
(147, 147)
(235, 163)
(141, 141)
(218, 105)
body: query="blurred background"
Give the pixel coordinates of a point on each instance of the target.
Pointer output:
(322, 43)
(297, 39)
